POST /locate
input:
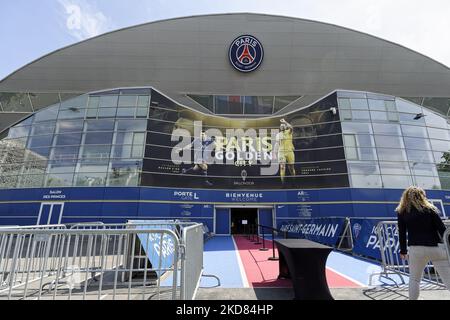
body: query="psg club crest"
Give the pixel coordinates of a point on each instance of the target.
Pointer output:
(246, 53)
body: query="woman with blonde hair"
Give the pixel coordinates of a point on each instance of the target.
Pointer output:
(420, 219)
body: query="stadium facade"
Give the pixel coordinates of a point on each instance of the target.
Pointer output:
(110, 129)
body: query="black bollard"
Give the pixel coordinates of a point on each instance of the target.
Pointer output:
(273, 257)
(257, 238)
(263, 241)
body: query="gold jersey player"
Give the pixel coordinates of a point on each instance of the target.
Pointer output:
(285, 149)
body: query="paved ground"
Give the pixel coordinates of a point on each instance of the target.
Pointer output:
(338, 294)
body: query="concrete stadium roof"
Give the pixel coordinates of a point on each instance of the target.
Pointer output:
(190, 55)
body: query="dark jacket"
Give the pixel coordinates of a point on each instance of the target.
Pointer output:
(423, 229)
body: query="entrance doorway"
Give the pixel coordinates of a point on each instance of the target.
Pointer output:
(243, 220)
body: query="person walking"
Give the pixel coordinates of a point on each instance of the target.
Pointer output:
(420, 223)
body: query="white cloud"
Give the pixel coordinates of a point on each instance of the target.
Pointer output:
(83, 20)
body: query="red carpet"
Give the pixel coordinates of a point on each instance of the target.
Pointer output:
(261, 272)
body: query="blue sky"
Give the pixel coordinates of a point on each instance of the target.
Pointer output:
(30, 28)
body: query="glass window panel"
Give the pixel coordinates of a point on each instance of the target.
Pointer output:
(39, 153)
(360, 115)
(393, 117)
(141, 112)
(359, 104)
(94, 102)
(407, 107)
(92, 113)
(128, 101)
(96, 152)
(124, 173)
(100, 125)
(390, 105)
(439, 157)
(350, 94)
(424, 169)
(15, 102)
(126, 112)
(131, 125)
(391, 129)
(206, 101)
(284, 101)
(18, 132)
(98, 138)
(40, 141)
(363, 167)
(122, 151)
(391, 155)
(62, 167)
(70, 126)
(229, 104)
(73, 113)
(350, 127)
(124, 138)
(143, 101)
(378, 116)
(409, 119)
(48, 114)
(350, 140)
(59, 180)
(94, 167)
(139, 138)
(361, 153)
(44, 128)
(389, 141)
(442, 134)
(8, 181)
(31, 181)
(440, 145)
(400, 168)
(434, 120)
(397, 182)
(43, 100)
(444, 178)
(377, 105)
(419, 156)
(75, 103)
(137, 151)
(414, 131)
(61, 153)
(346, 114)
(351, 154)
(365, 181)
(91, 179)
(109, 101)
(68, 139)
(363, 140)
(344, 103)
(258, 105)
(427, 182)
(107, 113)
(417, 143)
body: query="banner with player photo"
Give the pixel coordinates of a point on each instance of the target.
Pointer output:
(303, 149)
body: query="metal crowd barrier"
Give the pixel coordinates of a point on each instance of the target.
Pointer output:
(392, 264)
(101, 262)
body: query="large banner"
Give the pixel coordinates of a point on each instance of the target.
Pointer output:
(365, 239)
(324, 230)
(185, 148)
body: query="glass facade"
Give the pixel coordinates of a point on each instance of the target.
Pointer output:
(84, 141)
(243, 105)
(393, 143)
(115, 138)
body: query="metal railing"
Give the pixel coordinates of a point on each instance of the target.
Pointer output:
(98, 261)
(392, 264)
